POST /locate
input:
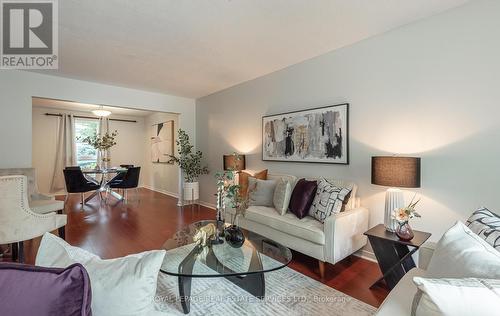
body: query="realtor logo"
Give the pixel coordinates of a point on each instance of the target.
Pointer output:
(29, 34)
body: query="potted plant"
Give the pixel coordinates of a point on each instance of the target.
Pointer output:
(102, 144)
(190, 163)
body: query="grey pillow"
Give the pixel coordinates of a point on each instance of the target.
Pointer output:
(282, 195)
(260, 192)
(329, 200)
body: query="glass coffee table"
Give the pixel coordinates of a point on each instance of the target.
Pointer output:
(244, 266)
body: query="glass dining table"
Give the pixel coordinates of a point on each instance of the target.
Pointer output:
(101, 176)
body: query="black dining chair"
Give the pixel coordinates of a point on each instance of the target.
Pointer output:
(130, 180)
(76, 182)
(120, 175)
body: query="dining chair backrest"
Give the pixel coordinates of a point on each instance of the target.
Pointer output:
(75, 180)
(30, 174)
(74, 168)
(126, 166)
(13, 197)
(131, 178)
(17, 221)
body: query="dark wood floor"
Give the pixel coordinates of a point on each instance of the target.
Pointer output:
(145, 223)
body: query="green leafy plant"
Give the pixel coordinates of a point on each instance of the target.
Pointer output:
(103, 142)
(188, 159)
(226, 180)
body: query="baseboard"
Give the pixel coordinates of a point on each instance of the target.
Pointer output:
(365, 254)
(206, 204)
(172, 194)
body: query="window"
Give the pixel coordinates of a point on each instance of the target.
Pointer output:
(86, 155)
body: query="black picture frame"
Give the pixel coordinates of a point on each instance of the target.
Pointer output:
(343, 108)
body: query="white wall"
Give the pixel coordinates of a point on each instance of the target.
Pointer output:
(18, 87)
(162, 177)
(129, 147)
(429, 89)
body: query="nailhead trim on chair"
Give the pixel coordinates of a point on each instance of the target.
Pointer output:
(23, 206)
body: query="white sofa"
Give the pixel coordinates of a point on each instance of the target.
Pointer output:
(400, 299)
(338, 237)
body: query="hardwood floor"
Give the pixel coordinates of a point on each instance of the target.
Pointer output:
(145, 223)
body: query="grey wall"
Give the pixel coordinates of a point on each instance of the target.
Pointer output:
(429, 89)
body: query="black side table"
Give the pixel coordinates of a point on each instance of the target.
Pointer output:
(394, 255)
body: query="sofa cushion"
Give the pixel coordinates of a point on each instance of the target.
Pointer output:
(457, 297)
(400, 299)
(286, 177)
(351, 200)
(121, 286)
(460, 253)
(486, 225)
(260, 192)
(31, 290)
(46, 206)
(306, 228)
(243, 180)
(330, 199)
(282, 195)
(302, 197)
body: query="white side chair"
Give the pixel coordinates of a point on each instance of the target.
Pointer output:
(17, 221)
(38, 202)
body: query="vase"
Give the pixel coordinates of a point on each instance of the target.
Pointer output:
(404, 231)
(191, 191)
(99, 162)
(234, 236)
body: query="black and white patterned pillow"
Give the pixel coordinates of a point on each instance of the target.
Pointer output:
(486, 225)
(329, 199)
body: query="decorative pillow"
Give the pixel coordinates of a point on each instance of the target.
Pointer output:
(282, 194)
(243, 180)
(460, 253)
(302, 197)
(122, 286)
(486, 225)
(260, 192)
(457, 297)
(31, 290)
(329, 200)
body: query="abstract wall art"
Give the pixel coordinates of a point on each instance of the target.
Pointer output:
(162, 141)
(314, 135)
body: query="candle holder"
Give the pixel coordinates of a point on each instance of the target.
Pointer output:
(219, 223)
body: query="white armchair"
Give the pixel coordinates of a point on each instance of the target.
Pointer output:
(38, 202)
(17, 221)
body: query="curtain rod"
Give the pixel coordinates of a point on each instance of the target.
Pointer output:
(92, 118)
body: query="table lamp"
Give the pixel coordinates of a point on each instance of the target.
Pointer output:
(234, 162)
(395, 172)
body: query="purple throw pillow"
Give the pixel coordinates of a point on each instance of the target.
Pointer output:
(32, 290)
(302, 197)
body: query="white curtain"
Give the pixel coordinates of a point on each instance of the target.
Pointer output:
(103, 129)
(65, 151)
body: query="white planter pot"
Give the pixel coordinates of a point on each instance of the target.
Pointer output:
(191, 191)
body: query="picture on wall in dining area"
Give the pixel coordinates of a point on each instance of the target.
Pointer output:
(314, 135)
(162, 141)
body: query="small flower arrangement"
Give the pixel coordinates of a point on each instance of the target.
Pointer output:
(404, 214)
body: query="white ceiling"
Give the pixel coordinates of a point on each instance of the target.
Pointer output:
(193, 48)
(84, 107)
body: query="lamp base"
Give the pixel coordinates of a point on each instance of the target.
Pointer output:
(393, 199)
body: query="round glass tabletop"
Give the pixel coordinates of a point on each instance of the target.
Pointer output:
(186, 258)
